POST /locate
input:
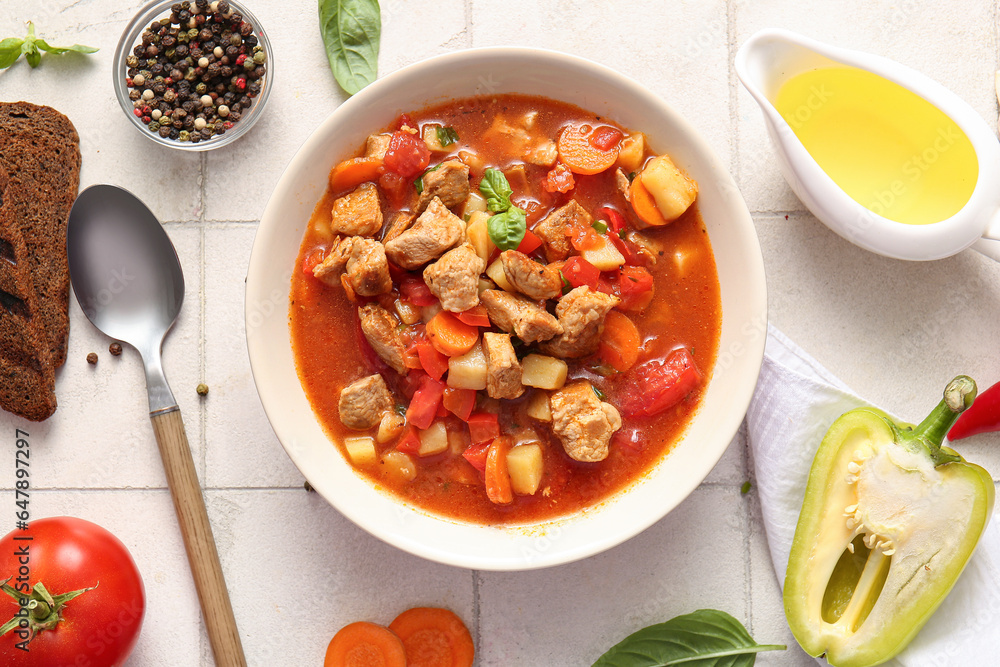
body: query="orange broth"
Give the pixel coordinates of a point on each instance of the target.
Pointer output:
(685, 311)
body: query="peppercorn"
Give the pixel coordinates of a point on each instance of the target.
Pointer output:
(202, 389)
(92, 358)
(195, 137)
(134, 94)
(205, 34)
(250, 40)
(183, 135)
(259, 57)
(246, 29)
(165, 131)
(115, 349)
(132, 60)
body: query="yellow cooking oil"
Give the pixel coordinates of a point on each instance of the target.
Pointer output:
(891, 150)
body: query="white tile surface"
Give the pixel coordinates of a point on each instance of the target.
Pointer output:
(895, 331)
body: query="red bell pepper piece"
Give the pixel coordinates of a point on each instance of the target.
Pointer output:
(460, 402)
(409, 443)
(983, 416)
(476, 455)
(483, 427)
(424, 404)
(659, 384)
(530, 243)
(432, 361)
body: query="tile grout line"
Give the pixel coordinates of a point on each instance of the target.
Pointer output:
(202, 419)
(737, 175)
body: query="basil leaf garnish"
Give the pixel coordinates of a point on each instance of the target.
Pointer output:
(351, 31)
(447, 136)
(496, 189)
(507, 229)
(707, 637)
(10, 51)
(13, 48)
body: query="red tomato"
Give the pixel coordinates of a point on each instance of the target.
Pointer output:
(416, 291)
(460, 402)
(659, 384)
(99, 627)
(605, 138)
(407, 154)
(310, 261)
(579, 271)
(559, 179)
(635, 287)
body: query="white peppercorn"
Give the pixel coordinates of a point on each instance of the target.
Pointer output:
(223, 111)
(206, 100)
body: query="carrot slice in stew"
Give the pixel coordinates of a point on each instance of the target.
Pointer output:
(450, 335)
(434, 637)
(364, 644)
(643, 203)
(578, 151)
(620, 342)
(351, 173)
(498, 488)
(475, 316)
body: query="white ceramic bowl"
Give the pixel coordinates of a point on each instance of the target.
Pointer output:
(741, 275)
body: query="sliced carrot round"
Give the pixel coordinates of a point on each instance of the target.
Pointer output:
(577, 149)
(434, 637)
(349, 174)
(449, 335)
(619, 342)
(643, 203)
(364, 644)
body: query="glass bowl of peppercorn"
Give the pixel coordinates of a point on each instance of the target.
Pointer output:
(193, 75)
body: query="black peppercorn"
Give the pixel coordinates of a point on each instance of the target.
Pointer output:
(115, 349)
(195, 138)
(250, 40)
(139, 50)
(181, 50)
(152, 50)
(92, 358)
(205, 34)
(226, 71)
(246, 29)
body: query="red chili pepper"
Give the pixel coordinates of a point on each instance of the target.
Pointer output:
(982, 417)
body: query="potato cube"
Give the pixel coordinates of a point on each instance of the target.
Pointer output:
(475, 202)
(538, 407)
(361, 450)
(479, 235)
(496, 273)
(543, 372)
(633, 147)
(390, 426)
(468, 371)
(673, 191)
(433, 440)
(432, 139)
(525, 465)
(399, 465)
(408, 313)
(604, 257)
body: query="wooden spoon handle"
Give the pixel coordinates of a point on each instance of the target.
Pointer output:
(198, 540)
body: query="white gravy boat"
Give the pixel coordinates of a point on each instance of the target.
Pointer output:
(771, 57)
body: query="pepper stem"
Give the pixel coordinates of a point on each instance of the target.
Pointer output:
(958, 395)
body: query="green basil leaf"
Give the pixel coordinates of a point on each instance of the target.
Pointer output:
(419, 183)
(706, 638)
(447, 136)
(496, 189)
(507, 229)
(10, 51)
(76, 48)
(567, 286)
(351, 31)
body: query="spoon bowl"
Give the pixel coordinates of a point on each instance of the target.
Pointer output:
(129, 283)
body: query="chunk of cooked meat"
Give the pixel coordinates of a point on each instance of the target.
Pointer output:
(335, 262)
(534, 280)
(400, 222)
(552, 230)
(581, 313)
(454, 279)
(583, 422)
(543, 153)
(367, 268)
(621, 180)
(526, 318)
(362, 403)
(449, 182)
(503, 370)
(377, 145)
(358, 213)
(436, 231)
(379, 327)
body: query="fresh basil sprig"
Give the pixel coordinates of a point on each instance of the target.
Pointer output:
(509, 223)
(446, 136)
(707, 638)
(496, 189)
(507, 229)
(31, 48)
(351, 31)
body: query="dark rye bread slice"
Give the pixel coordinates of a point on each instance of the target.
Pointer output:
(27, 376)
(40, 153)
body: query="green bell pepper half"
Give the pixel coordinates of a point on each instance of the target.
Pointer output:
(889, 520)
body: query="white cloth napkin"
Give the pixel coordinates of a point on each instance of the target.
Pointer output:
(794, 404)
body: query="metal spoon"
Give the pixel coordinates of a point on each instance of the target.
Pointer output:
(129, 283)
